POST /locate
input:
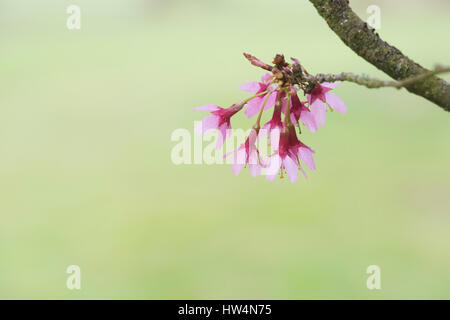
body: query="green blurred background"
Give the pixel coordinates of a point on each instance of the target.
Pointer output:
(86, 176)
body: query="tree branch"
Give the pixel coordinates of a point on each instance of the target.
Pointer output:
(366, 43)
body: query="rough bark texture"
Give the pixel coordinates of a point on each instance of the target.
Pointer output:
(366, 43)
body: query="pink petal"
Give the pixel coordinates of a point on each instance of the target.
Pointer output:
(319, 110)
(335, 102)
(255, 170)
(236, 167)
(263, 132)
(306, 155)
(308, 120)
(250, 86)
(253, 107)
(252, 138)
(208, 107)
(240, 156)
(239, 161)
(294, 119)
(263, 163)
(253, 156)
(266, 78)
(274, 138)
(303, 171)
(271, 100)
(331, 85)
(273, 167)
(291, 169)
(221, 135)
(226, 155)
(208, 123)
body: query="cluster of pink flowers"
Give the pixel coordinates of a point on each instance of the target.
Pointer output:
(278, 90)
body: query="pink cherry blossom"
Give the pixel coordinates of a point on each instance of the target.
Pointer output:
(247, 153)
(288, 156)
(299, 111)
(301, 150)
(273, 128)
(280, 88)
(255, 104)
(321, 95)
(218, 119)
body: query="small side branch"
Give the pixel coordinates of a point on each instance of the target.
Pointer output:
(371, 83)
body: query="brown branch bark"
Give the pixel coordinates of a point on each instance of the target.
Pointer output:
(356, 34)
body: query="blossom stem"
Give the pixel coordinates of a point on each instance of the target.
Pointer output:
(258, 120)
(287, 116)
(255, 96)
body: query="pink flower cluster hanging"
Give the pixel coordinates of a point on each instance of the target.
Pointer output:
(277, 90)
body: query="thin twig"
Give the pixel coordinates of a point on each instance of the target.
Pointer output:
(368, 82)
